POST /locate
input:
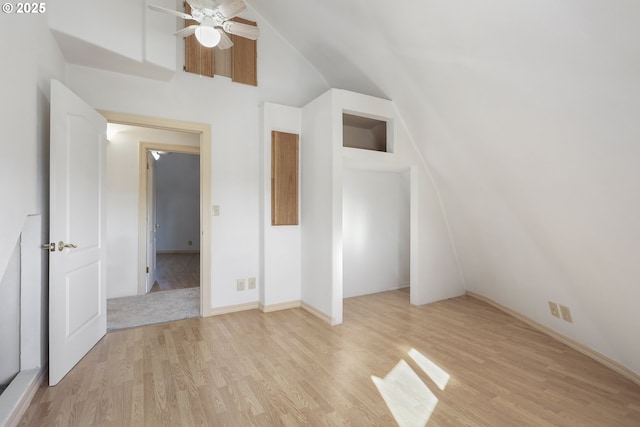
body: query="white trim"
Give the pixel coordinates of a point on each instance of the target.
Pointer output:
(587, 351)
(233, 308)
(320, 315)
(204, 130)
(280, 306)
(17, 397)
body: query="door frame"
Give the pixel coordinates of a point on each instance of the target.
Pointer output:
(143, 256)
(150, 220)
(204, 131)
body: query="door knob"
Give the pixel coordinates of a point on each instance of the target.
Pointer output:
(62, 245)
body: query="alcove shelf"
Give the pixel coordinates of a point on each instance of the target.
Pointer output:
(366, 133)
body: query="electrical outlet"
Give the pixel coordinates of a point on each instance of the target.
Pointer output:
(190, 242)
(554, 309)
(240, 284)
(252, 282)
(566, 313)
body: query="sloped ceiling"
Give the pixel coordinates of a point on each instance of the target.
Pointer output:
(528, 113)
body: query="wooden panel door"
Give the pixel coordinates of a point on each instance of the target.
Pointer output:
(284, 178)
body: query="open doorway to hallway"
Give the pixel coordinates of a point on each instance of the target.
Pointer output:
(173, 220)
(153, 226)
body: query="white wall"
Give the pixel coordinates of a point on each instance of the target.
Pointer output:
(316, 198)
(435, 273)
(375, 231)
(535, 146)
(232, 110)
(30, 59)
(121, 35)
(10, 318)
(123, 151)
(24, 108)
(280, 259)
(178, 202)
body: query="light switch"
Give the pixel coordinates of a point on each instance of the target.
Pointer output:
(215, 210)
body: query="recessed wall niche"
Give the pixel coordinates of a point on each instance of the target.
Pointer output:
(364, 133)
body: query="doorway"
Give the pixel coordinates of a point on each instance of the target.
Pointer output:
(170, 180)
(131, 280)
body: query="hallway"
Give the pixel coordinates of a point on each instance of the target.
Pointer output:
(177, 271)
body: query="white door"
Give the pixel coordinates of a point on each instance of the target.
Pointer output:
(77, 267)
(152, 227)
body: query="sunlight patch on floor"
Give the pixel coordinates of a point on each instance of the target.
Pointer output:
(410, 401)
(437, 374)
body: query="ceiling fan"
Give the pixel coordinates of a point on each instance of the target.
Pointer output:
(213, 19)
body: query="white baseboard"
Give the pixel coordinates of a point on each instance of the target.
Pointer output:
(231, 309)
(268, 309)
(320, 315)
(280, 306)
(15, 400)
(587, 351)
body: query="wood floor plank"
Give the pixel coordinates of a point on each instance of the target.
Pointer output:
(289, 368)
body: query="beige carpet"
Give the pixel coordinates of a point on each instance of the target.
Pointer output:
(156, 307)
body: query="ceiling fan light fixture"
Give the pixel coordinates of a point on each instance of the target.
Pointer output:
(207, 36)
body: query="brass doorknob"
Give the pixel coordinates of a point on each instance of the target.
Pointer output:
(62, 245)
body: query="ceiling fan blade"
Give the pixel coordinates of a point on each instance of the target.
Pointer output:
(186, 31)
(225, 42)
(231, 9)
(170, 12)
(243, 30)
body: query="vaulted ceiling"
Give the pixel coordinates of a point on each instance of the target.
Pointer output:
(527, 113)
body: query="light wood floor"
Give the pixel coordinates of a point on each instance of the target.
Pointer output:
(288, 368)
(176, 271)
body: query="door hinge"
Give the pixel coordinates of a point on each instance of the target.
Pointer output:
(147, 269)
